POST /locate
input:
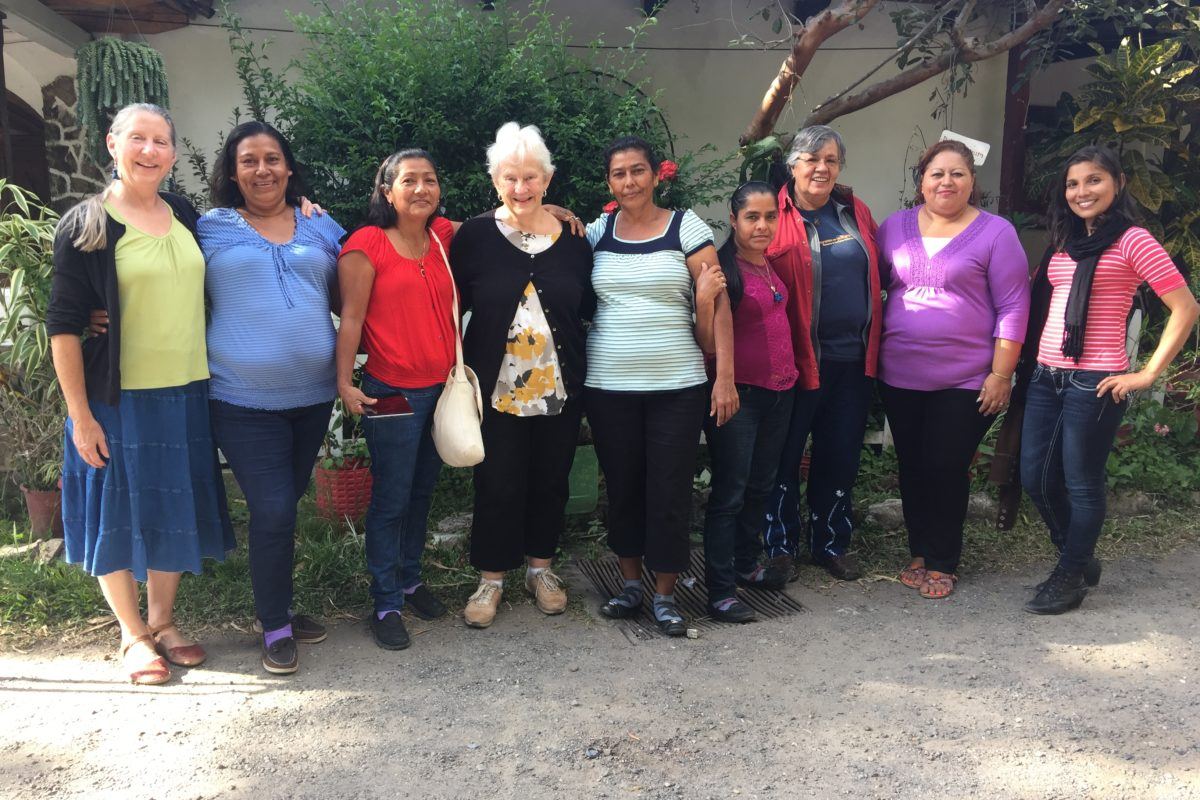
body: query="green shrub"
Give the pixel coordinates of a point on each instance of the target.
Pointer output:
(444, 76)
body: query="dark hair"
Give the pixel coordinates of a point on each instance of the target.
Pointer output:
(380, 211)
(727, 255)
(630, 143)
(943, 146)
(224, 190)
(1063, 223)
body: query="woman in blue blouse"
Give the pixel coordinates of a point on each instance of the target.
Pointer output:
(272, 282)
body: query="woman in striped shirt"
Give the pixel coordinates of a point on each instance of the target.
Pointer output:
(1081, 384)
(646, 382)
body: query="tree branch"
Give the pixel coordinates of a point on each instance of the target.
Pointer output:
(1038, 21)
(805, 43)
(895, 54)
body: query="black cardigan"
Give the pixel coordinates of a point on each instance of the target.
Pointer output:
(491, 275)
(84, 282)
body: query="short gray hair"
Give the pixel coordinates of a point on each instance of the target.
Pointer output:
(812, 139)
(514, 143)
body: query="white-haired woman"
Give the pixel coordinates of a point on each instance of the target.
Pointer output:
(142, 496)
(527, 283)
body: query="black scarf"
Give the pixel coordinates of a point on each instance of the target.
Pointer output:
(1086, 251)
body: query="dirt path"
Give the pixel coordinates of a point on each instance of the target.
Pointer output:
(871, 693)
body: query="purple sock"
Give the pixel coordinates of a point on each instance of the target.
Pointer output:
(381, 614)
(413, 588)
(271, 637)
(723, 605)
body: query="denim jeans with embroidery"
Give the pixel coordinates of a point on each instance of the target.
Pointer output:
(1067, 435)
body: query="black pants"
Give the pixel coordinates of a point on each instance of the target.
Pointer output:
(521, 486)
(646, 443)
(936, 435)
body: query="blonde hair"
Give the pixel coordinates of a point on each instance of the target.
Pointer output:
(87, 220)
(514, 143)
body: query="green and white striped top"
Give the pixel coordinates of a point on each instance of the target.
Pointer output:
(642, 337)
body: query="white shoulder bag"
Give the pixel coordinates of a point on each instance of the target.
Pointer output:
(459, 411)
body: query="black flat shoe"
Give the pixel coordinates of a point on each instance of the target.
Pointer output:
(614, 610)
(672, 627)
(389, 632)
(736, 612)
(424, 603)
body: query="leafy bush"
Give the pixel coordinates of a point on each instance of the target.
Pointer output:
(444, 76)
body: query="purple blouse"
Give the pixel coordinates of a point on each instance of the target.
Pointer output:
(762, 337)
(943, 314)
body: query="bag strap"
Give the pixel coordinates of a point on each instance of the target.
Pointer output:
(458, 353)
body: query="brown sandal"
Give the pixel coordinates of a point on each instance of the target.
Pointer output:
(913, 577)
(151, 672)
(187, 655)
(937, 585)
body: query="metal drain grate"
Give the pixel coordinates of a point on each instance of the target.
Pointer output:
(692, 600)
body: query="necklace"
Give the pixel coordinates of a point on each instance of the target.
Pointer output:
(419, 258)
(248, 213)
(766, 275)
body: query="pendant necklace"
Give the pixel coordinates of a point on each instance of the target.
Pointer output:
(420, 259)
(766, 276)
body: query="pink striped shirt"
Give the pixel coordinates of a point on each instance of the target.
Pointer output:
(1135, 257)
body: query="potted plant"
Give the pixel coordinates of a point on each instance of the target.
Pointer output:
(30, 403)
(343, 471)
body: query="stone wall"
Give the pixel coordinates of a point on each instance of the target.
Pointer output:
(72, 173)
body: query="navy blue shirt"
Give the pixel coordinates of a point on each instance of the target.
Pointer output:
(843, 310)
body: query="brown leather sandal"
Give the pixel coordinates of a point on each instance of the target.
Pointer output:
(187, 655)
(151, 672)
(913, 577)
(937, 585)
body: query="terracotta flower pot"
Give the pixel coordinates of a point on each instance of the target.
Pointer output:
(343, 492)
(45, 512)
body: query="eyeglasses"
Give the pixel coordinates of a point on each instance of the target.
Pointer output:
(830, 163)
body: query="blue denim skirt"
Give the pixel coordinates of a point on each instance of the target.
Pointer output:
(159, 503)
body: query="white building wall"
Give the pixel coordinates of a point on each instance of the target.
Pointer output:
(710, 91)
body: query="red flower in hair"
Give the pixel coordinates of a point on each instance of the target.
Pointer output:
(667, 170)
(610, 206)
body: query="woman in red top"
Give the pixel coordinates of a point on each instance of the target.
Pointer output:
(397, 300)
(1081, 383)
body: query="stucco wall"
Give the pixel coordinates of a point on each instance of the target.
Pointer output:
(710, 90)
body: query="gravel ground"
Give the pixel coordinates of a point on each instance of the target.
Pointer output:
(873, 692)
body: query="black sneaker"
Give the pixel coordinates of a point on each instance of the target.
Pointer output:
(1062, 592)
(389, 632)
(305, 629)
(281, 658)
(424, 603)
(1091, 574)
(737, 611)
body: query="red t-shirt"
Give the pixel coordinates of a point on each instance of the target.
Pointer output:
(1132, 259)
(408, 332)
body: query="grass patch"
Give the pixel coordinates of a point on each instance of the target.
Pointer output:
(38, 601)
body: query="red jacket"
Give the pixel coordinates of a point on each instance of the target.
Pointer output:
(791, 255)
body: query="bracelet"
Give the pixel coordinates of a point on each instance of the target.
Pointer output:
(1002, 377)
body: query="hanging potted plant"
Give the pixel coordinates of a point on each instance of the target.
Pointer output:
(31, 405)
(112, 73)
(343, 476)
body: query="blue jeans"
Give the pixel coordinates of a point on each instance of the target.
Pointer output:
(835, 414)
(1067, 435)
(404, 470)
(745, 457)
(271, 454)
